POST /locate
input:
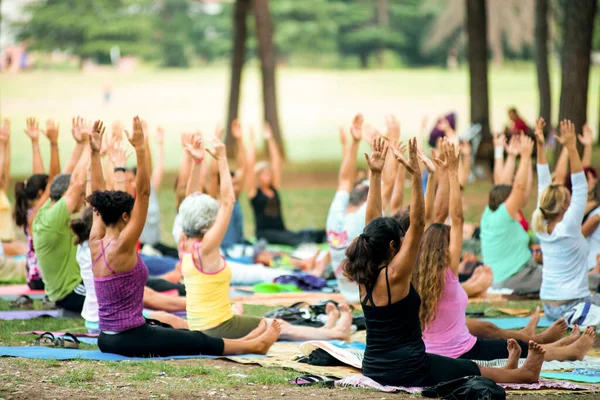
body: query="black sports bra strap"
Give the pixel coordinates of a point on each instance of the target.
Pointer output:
(387, 282)
(369, 295)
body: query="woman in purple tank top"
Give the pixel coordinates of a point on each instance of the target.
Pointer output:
(120, 273)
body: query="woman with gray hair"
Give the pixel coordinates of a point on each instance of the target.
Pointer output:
(206, 273)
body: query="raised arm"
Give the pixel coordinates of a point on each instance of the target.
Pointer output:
(76, 187)
(401, 266)
(430, 189)
(499, 145)
(4, 155)
(388, 175)
(562, 166)
(540, 141)
(274, 154)
(185, 166)
(513, 149)
(51, 133)
(251, 162)
(590, 225)
(587, 140)
(398, 193)
(376, 162)
(464, 167)
(32, 130)
(158, 172)
(517, 194)
(574, 215)
(97, 177)
(213, 238)
(347, 174)
(81, 133)
(132, 231)
(442, 196)
(118, 154)
(195, 149)
(456, 209)
(240, 155)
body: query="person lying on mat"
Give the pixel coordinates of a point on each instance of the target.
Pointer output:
(152, 300)
(207, 275)
(52, 237)
(444, 301)
(504, 242)
(263, 182)
(120, 273)
(557, 223)
(381, 262)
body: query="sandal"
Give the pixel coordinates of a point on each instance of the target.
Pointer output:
(45, 339)
(312, 380)
(68, 341)
(23, 302)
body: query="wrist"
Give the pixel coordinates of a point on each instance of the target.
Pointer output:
(197, 160)
(53, 144)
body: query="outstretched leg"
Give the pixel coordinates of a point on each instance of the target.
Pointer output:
(258, 345)
(528, 373)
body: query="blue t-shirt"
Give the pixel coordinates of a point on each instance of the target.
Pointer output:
(235, 230)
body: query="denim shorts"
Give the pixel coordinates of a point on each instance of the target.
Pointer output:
(555, 312)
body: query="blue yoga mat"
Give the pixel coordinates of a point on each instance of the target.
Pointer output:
(516, 322)
(54, 353)
(570, 376)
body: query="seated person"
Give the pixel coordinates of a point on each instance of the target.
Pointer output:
(504, 242)
(518, 124)
(444, 301)
(53, 239)
(381, 261)
(120, 274)
(207, 275)
(557, 223)
(263, 184)
(443, 126)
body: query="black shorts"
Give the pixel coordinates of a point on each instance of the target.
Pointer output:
(492, 349)
(73, 301)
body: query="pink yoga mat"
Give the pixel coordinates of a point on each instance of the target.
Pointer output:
(17, 290)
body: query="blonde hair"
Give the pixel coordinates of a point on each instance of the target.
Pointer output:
(550, 203)
(261, 166)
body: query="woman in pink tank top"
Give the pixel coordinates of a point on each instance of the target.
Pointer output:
(446, 330)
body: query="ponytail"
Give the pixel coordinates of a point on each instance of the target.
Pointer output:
(539, 221)
(81, 227)
(551, 201)
(358, 265)
(21, 204)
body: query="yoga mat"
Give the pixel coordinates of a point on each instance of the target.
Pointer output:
(28, 314)
(55, 353)
(76, 334)
(11, 292)
(517, 323)
(362, 381)
(571, 376)
(287, 299)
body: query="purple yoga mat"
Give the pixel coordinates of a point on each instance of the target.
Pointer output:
(28, 314)
(180, 314)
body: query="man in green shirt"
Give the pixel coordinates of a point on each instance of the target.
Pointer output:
(53, 241)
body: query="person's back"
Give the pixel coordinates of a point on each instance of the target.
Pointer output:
(504, 243)
(90, 305)
(55, 251)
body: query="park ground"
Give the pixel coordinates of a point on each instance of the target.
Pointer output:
(312, 106)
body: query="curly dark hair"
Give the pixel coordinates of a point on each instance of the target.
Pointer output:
(372, 248)
(81, 227)
(25, 192)
(111, 204)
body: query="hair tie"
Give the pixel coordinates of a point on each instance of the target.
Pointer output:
(363, 236)
(543, 212)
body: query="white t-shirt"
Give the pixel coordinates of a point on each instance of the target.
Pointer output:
(565, 250)
(593, 242)
(342, 229)
(90, 305)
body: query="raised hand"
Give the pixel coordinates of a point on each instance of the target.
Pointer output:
(499, 140)
(426, 161)
(119, 153)
(5, 131)
(356, 130)
(587, 139)
(96, 136)
(514, 146)
(32, 129)
(267, 132)
(527, 146)
(160, 135)
(195, 147)
(137, 138)
(186, 137)
(393, 127)
(218, 149)
(412, 166)
(51, 131)
(236, 129)
(370, 134)
(219, 132)
(439, 157)
(76, 129)
(540, 124)
(452, 157)
(567, 134)
(376, 160)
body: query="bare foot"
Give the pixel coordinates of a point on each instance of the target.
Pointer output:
(575, 333)
(583, 344)
(514, 353)
(533, 322)
(554, 333)
(342, 328)
(260, 329)
(263, 343)
(333, 314)
(530, 371)
(238, 308)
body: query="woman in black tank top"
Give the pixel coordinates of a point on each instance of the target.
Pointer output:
(381, 261)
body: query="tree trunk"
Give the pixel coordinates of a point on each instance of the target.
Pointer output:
(383, 20)
(577, 47)
(478, 64)
(541, 60)
(264, 33)
(240, 34)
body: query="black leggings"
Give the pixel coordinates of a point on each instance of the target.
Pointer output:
(289, 238)
(492, 349)
(165, 250)
(160, 341)
(162, 285)
(74, 300)
(443, 369)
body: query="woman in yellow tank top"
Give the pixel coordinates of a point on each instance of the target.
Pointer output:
(206, 274)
